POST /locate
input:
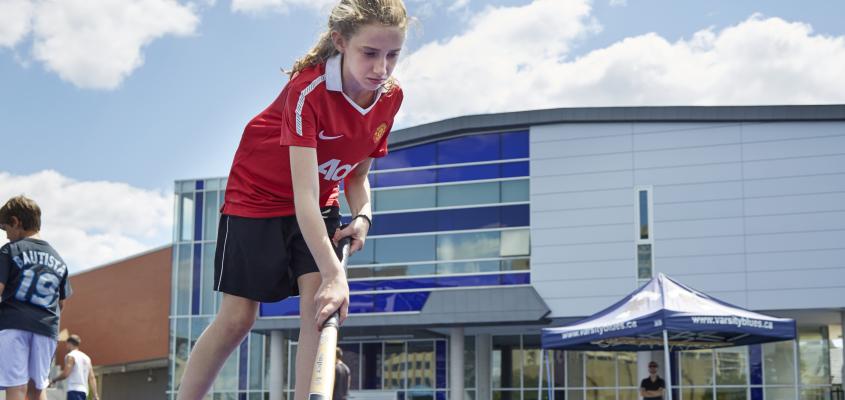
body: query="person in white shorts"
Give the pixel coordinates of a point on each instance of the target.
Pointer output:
(79, 373)
(33, 286)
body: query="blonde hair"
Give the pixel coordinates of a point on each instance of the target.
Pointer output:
(346, 18)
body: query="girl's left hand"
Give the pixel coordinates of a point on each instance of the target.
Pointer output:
(356, 231)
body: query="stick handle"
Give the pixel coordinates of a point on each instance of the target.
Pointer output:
(322, 376)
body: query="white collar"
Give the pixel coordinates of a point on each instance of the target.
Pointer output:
(334, 82)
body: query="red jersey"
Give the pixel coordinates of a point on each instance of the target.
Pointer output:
(311, 111)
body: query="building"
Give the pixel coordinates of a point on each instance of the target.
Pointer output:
(121, 312)
(489, 227)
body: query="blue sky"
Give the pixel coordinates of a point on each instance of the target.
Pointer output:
(77, 120)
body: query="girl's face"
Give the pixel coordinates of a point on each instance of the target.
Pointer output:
(369, 56)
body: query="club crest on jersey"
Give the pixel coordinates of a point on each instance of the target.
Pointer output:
(379, 132)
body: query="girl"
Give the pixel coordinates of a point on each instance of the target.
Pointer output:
(280, 214)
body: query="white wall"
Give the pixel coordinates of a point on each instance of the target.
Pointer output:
(751, 213)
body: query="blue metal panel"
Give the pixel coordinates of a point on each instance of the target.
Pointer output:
(468, 149)
(440, 363)
(417, 156)
(243, 362)
(755, 360)
(198, 216)
(514, 145)
(405, 178)
(358, 304)
(196, 279)
(515, 169)
(440, 282)
(453, 219)
(200, 184)
(468, 173)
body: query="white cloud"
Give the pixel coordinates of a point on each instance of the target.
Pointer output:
(517, 58)
(254, 7)
(15, 19)
(94, 44)
(92, 223)
(458, 5)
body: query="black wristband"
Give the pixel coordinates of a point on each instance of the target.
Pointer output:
(364, 216)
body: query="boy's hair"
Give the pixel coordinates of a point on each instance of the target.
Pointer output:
(74, 340)
(25, 210)
(346, 18)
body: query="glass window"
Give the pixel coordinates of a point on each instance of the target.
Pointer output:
(630, 394)
(643, 206)
(601, 394)
(365, 255)
(558, 362)
(183, 298)
(469, 362)
(731, 393)
(467, 267)
(531, 356)
(601, 371)
(212, 216)
(732, 366)
(405, 249)
(186, 210)
(697, 393)
(468, 245)
(514, 190)
(352, 359)
(626, 363)
(183, 347)
(644, 269)
(207, 301)
(779, 393)
(371, 365)
(814, 356)
(403, 199)
(256, 358)
(394, 365)
(420, 365)
(575, 369)
(514, 243)
(696, 368)
(473, 193)
(468, 149)
(506, 362)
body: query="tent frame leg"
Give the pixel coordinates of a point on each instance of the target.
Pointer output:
(668, 368)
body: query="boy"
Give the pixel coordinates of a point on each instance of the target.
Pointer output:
(33, 286)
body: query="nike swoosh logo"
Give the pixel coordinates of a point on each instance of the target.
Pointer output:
(323, 136)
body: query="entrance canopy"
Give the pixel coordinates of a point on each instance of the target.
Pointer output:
(691, 319)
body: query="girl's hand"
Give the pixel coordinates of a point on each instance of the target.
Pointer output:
(356, 231)
(332, 295)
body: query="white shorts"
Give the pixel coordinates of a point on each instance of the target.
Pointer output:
(26, 356)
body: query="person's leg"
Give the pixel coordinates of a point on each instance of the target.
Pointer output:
(42, 349)
(16, 393)
(306, 350)
(34, 393)
(230, 326)
(14, 346)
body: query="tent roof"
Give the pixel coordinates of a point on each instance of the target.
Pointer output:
(693, 320)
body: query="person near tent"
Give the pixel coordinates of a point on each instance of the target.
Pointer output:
(652, 388)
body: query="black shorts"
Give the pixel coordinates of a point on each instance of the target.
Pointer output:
(261, 258)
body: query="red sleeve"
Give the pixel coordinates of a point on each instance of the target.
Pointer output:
(299, 126)
(381, 149)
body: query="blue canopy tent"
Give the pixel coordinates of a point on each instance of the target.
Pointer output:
(669, 315)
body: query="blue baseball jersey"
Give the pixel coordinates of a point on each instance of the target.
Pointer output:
(35, 279)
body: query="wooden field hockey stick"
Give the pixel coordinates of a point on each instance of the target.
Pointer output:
(322, 376)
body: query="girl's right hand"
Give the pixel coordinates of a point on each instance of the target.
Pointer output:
(331, 296)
